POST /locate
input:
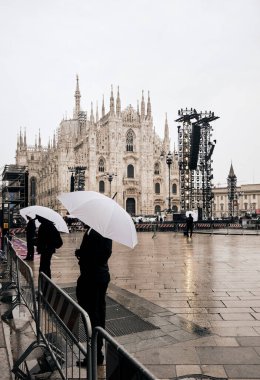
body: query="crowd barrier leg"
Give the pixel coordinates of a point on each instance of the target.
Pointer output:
(124, 364)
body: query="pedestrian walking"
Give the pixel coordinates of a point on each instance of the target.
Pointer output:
(48, 240)
(30, 237)
(189, 226)
(93, 256)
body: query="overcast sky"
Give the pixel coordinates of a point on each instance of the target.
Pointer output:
(188, 53)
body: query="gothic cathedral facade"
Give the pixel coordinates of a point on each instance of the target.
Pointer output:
(120, 153)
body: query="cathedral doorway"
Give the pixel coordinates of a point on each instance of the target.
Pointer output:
(130, 206)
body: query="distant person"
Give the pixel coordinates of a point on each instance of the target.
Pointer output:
(30, 237)
(93, 256)
(48, 240)
(189, 226)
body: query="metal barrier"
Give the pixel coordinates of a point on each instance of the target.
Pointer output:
(10, 273)
(64, 331)
(120, 365)
(22, 277)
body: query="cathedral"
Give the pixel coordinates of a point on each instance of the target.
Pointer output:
(118, 154)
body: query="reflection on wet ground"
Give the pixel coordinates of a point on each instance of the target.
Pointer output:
(203, 294)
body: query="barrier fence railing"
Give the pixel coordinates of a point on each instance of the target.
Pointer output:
(63, 333)
(22, 276)
(210, 227)
(64, 330)
(119, 363)
(10, 273)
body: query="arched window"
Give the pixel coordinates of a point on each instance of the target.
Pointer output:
(156, 168)
(101, 165)
(174, 208)
(130, 171)
(101, 186)
(157, 209)
(130, 206)
(157, 188)
(174, 188)
(130, 141)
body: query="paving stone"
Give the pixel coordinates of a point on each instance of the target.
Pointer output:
(243, 371)
(5, 373)
(235, 331)
(225, 341)
(165, 371)
(184, 370)
(227, 355)
(237, 317)
(169, 355)
(214, 371)
(249, 341)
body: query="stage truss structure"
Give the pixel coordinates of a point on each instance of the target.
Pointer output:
(196, 184)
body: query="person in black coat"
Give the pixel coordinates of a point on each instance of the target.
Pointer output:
(48, 239)
(30, 236)
(189, 225)
(93, 256)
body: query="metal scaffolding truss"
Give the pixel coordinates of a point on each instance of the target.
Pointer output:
(195, 184)
(232, 192)
(14, 190)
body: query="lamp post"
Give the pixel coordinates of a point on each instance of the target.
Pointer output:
(169, 160)
(110, 177)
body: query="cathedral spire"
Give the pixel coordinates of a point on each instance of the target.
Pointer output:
(112, 103)
(149, 108)
(97, 115)
(21, 137)
(231, 172)
(103, 107)
(118, 103)
(54, 140)
(142, 106)
(77, 99)
(166, 129)
(137, 108)
(24, 137)
(40, 142)
(92, 114)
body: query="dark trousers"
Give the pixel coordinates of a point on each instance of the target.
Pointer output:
(189, 230)
(45, 264)
(91, 296)
(30, 249)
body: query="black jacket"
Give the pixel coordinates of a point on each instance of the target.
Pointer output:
(47, 237)
(30, 229)
(93, 255)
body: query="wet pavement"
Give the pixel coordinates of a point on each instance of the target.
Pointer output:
(202, 295)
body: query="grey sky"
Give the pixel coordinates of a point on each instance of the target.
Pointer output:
(198, 53)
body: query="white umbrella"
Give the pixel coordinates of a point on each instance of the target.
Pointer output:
(46, 213)
(101, 213)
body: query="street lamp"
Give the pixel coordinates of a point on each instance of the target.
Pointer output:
(169, 160)
(110, 177)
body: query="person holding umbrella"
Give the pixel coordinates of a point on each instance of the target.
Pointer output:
(93, 255)
(30, 236)
(48, 240)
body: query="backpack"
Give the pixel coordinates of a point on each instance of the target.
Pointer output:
(57, 240)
